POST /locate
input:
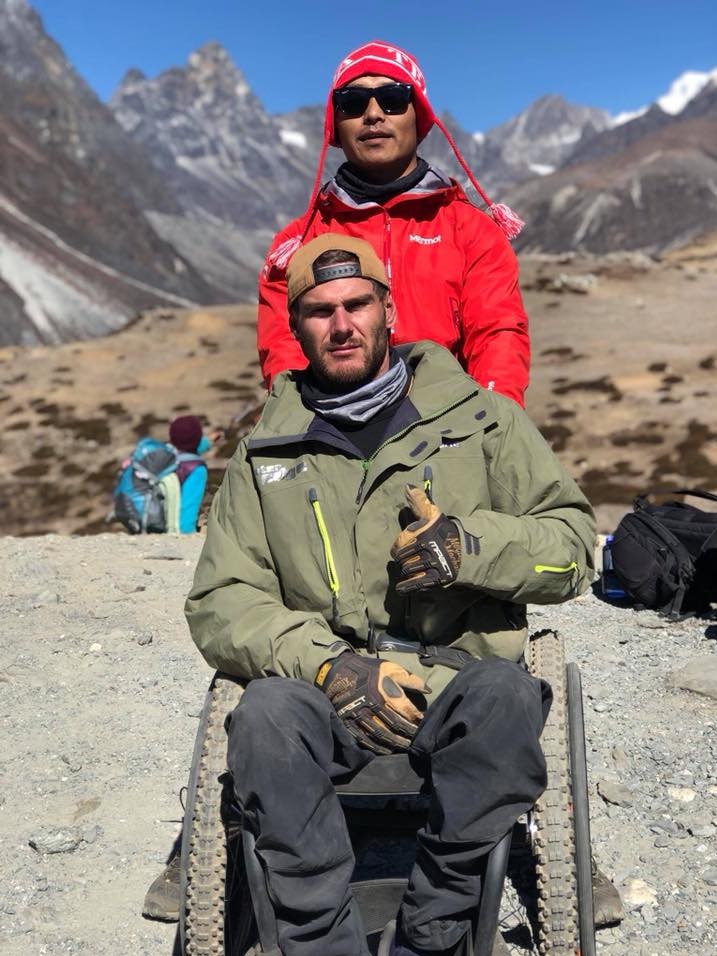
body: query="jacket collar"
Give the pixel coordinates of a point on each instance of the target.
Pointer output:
(434, 185)
(439, 383)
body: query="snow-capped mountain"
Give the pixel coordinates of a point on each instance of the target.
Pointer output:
(681, 92)
(172, 191)
(646, 183)
(684, 89)
(629, 126)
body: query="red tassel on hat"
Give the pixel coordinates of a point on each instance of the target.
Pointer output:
(503, 216)
(280, 256)
(509, 222)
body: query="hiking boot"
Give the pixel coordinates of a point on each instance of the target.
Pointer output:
(163, 901)
(606, 900)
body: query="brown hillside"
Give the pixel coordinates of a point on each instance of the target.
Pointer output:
(623, 386)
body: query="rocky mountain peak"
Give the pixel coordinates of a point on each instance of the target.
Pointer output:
(132, 77)
(19, 11)
(546, 132)
(209, 92)
(25, 48)
(213, 71)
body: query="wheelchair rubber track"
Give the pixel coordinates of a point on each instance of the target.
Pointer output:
(204, 842)
(581, 810)
(554, 844)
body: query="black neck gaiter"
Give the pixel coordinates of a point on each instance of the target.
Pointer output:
(360, 190)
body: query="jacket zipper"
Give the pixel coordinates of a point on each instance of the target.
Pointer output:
(404, 431)
(539, 568)
(387, 245)
(331, 574)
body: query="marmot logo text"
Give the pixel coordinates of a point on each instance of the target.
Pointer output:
(425, 240)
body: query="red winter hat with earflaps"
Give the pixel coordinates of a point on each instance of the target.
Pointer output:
(383, 59)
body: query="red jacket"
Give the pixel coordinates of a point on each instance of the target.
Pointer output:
(453, 276)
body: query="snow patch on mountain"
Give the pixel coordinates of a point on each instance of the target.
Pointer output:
(292, 137)
(628, 115)
(684, 89)
(94, 264)
(55, 303)
(541, 169)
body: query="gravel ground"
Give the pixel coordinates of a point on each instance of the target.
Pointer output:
(100, 688)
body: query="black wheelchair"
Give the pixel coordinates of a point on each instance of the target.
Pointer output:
(536, 886)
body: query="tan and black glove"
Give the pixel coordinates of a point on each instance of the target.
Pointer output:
(428, 551)
(367, 695)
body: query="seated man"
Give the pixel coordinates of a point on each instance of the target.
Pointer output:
(312, 558)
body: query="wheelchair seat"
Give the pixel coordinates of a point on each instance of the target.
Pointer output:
(389, 776)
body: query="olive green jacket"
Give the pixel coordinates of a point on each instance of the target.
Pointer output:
(296, 565)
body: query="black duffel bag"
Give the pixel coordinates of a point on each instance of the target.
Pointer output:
(665, 556)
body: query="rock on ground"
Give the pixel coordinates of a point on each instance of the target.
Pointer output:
(99, 723)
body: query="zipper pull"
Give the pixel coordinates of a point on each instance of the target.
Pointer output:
(365, 463)
(428, 482)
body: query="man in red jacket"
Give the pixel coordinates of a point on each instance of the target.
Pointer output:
(454, 277)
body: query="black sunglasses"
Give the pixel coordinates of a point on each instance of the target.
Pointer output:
(392, 98)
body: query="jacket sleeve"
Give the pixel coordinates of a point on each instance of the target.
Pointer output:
(536, 544)
(495, 342)
(234, 610)
(278, 349)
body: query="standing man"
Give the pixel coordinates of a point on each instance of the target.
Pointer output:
(307, 567)
(452, 273)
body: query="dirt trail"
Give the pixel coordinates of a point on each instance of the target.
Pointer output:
(100, 689)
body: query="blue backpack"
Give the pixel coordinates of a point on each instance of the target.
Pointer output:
(139, 495)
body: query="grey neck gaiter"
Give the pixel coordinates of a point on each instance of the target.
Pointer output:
(363, 402)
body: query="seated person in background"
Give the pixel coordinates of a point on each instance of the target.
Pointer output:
(161, 485)
(453, 275)
(187, 435)
(309, 567)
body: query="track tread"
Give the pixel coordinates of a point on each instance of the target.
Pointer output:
(554, 845)
(207, 848)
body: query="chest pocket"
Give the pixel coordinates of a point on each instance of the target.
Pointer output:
(311, 547)
(455, 478)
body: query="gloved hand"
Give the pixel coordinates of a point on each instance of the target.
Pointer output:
(367, 696)
(428, 550)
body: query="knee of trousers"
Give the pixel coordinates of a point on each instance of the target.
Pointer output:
(481, 692)
(496, 676)
(272, 710)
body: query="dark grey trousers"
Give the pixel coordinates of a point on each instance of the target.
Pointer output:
(478, 746)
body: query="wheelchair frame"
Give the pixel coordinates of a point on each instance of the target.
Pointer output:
(225, 909)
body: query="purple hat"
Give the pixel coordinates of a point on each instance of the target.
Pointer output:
(185, 433)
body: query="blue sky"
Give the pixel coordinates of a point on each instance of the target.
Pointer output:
(483, 61)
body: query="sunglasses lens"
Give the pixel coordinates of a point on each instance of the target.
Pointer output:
(394, 99)
(353, 100)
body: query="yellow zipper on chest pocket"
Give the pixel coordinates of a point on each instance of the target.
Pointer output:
(331, 574)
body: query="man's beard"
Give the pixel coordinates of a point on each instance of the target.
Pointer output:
(338, 379)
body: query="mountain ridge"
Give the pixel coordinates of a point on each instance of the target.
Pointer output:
(172, 190)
